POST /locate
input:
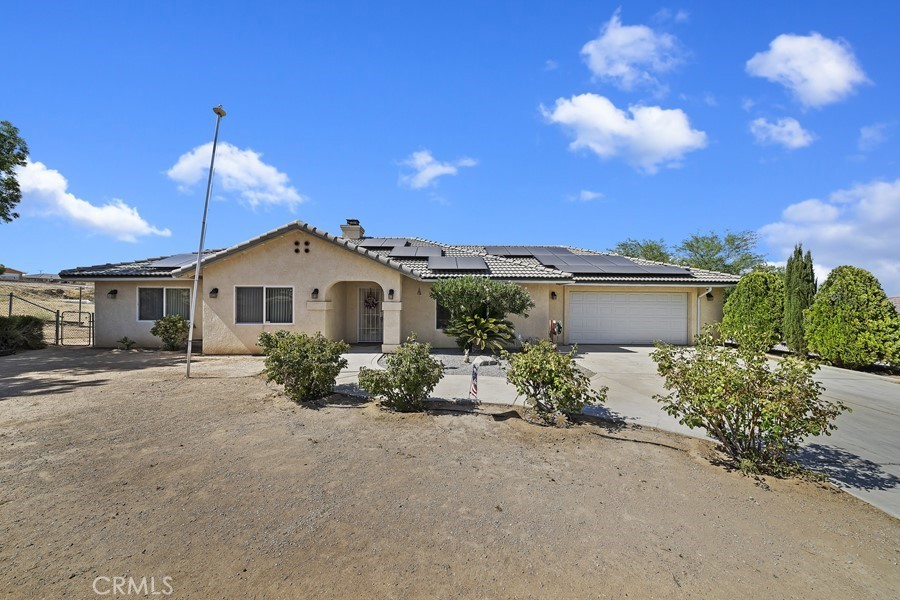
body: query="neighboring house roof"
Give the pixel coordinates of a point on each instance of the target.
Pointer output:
(494, 266)
(896, 301)
(11, 271)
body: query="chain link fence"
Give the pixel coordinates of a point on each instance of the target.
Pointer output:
(61, 327)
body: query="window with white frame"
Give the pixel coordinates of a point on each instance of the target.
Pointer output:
(156, 302)
(263, 304)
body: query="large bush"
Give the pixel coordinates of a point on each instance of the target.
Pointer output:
(21, 333)
(478, 309)
(172, 330)
(306, 365)
(552, 384)
(409, 379)
(852, 323)
(757, 303)
(759, 413)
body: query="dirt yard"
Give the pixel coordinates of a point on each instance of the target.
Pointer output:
(111, 464)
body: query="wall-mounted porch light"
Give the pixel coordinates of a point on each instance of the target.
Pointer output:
(315, 294)
(553, 295)
(214, 293)
(390, 294)
(709, 296)
(112, 294)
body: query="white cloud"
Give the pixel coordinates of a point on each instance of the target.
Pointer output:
(665, 15)
(786, 132)
(237, 170)
(427, 169)
(550, 65)
(650, 137)
(872, 136)
(45, 192)
(585, 196)
(631, 55)
(859, 226)
(747, 104)
(817, 70)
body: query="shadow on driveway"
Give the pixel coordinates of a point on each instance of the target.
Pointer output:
(59, 370)
(846, 468)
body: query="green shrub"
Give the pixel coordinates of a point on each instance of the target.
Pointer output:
(21, 333)
(127, 342)
(799, 293)
(759, 413)
(473, 331)
(851, 323)
(306, 365)
(552, 384)
(478, 308)
(173, 331)
(757, 302)
(409, 379)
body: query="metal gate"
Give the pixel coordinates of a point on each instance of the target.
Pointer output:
(371, 319)
(68, 328)
(76, 328)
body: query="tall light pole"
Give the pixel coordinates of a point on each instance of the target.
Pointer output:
(212, 162)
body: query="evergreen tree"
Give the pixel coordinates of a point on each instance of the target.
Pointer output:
(799, 293)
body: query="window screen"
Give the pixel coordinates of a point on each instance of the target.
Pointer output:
(279, 305)
(248, 305)
(178, 302)
(150, 304)
(442, 316)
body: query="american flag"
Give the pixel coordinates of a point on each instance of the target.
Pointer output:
(473, 391)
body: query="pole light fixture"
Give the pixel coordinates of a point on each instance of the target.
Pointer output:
(212, 163)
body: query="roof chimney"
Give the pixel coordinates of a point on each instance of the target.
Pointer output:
(352, 230)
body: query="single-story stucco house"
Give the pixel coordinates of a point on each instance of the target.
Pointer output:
(376, 290)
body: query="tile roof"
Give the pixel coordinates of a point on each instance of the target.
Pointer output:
(498, 267)
(896, 301)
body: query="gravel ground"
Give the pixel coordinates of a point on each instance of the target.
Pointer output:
(112, 464)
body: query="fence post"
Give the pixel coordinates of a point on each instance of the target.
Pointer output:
(10, 304)
(57, 328)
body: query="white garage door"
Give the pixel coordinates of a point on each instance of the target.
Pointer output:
(627, 318)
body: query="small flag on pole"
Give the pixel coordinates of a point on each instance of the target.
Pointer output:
(473, 391)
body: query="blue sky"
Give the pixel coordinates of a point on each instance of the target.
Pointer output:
(579, 123)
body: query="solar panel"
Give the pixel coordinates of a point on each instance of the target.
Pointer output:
(415, 252)
(471, 263)
(497, 250)
(176, 260)
(456, 263)
(381, 242)
(442, 263)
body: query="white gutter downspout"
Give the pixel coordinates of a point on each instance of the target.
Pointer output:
(708, 291)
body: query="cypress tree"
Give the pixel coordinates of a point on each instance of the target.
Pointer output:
(799, 293)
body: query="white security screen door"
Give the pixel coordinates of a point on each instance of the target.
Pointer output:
(371, 319)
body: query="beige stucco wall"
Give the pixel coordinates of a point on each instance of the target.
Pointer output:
(117, 317)
(276, 263)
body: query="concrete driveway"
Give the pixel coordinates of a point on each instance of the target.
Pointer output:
(862, 456)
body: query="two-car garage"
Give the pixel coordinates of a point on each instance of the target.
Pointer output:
(627, 317)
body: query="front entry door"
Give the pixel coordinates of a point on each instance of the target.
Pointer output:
(371, 318)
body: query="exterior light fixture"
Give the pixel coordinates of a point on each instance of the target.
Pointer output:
(214, 293)
(709, 296)
(419, 292)
(553, 295)
(315, 294)
(112, 294)
(390, 294)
